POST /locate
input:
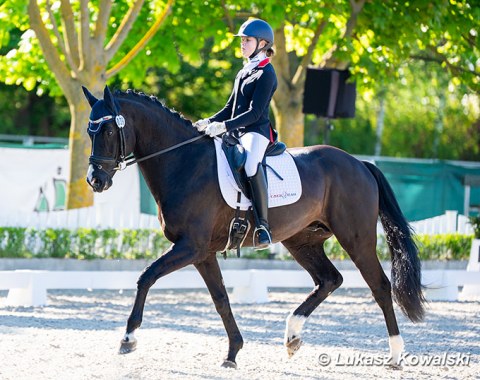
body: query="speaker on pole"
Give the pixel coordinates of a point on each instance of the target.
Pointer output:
(327, 93)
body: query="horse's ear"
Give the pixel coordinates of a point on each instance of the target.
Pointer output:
(91, 99)
(110, 101)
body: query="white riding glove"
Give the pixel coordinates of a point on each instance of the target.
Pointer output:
(201, 124)
(216, 128)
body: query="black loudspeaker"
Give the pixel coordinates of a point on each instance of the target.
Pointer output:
(328, 94)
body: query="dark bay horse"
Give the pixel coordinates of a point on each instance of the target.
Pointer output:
(341, 196)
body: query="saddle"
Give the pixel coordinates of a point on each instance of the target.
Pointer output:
(236, 158)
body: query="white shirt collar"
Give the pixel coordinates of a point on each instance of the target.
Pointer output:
(253, 62)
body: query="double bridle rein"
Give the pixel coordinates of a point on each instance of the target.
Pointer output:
(122, 162)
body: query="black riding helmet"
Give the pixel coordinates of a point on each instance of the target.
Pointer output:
(258, 29)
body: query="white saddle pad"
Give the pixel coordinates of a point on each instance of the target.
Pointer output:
(280, 192)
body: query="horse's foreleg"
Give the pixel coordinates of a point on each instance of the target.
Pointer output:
(325, 276)
(178, 256)
(210, 271)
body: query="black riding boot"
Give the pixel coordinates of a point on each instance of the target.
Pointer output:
(259, 195)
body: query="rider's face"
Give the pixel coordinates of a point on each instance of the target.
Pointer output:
(249, 45)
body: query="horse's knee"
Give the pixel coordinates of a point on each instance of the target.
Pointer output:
(146, 279)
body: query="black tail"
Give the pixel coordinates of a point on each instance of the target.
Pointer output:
(406, 267)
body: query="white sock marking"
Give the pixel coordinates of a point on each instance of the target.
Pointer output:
(396, 348)
(294, 326)
(129, 337)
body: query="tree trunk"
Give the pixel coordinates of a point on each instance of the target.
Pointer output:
(289, 119)
(380, 122)
(79, 193)
(287, 101)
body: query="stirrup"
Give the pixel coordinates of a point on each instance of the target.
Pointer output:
(257, 232)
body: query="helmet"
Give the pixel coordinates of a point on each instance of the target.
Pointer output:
(256, 28)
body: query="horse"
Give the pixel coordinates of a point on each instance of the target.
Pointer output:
(342, 197)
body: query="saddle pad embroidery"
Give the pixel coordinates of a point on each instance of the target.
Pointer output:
(280, 193)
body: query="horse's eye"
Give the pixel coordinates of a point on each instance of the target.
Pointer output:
(109, 133)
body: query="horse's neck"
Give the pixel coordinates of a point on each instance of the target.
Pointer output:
(157, 129)
(168, 172)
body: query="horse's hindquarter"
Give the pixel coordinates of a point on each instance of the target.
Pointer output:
(336, 188)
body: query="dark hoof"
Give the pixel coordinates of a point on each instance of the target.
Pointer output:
(293, 346)
(395, 367)
(229, 364)
(127, 346)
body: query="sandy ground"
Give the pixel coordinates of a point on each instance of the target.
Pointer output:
(77, 337)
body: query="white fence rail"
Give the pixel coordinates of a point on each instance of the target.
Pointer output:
(88, 217)
(29, 287)
(91, 217)
(450, 222)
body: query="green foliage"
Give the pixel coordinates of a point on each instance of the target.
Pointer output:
(430, 247)
(475, 222)
(83, 243)
(89, 244)
(444, 247)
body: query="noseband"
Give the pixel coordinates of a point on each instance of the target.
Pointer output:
(99, 161)
(122, 162)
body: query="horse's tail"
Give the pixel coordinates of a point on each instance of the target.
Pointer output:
(406, 267)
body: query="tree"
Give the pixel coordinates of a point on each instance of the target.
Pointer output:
(370, 38)
(74, 44)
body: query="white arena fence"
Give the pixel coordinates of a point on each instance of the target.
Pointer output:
(30, 287)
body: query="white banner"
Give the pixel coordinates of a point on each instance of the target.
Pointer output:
(35, 180)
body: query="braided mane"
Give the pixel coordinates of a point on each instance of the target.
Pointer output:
(151, 99)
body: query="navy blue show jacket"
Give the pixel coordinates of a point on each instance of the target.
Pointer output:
(247, 109)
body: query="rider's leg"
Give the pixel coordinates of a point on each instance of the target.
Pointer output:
(255, 146)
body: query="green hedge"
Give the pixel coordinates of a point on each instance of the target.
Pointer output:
(82, 243)
(88, 243)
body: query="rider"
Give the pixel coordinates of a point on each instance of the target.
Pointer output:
(246, 115)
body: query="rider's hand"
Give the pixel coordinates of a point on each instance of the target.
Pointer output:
(216, 128)
(201, 124)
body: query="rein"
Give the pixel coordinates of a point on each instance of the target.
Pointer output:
(124, 162)
(132, 160)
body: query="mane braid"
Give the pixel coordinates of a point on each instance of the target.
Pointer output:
(153, 99)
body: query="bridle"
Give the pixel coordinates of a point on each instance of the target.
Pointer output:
(122, 161)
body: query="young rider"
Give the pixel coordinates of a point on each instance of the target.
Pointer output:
(246, 115)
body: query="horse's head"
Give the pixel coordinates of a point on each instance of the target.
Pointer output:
(106, 131)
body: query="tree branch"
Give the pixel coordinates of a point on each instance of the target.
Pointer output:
(84, 36)
(71, 39)
(61, 42)
(141, 44)
(101, 25)
(50, 52)
(307, 58)
(123, 30)
(440, 58)
(231, 25)
(356, 8)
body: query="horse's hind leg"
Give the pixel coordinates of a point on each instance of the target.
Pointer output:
(210, 271)
(363, 253)
(307, 249)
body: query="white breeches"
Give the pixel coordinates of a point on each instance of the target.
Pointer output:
(255, 145)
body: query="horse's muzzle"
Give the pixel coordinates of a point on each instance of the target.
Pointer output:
(95, 180)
